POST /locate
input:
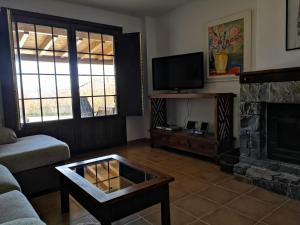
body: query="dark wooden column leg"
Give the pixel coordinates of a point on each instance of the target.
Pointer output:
(165, 207)
(64, 201)
(64, 198)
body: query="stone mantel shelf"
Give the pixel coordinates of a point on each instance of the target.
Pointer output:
(273, 75)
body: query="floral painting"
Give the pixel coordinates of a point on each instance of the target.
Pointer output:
(293, 24)
(228, 46)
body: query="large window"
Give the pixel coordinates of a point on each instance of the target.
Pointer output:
(43, 74)
(43, 67)
(96, 73)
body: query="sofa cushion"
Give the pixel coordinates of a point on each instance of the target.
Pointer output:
(14, 205)
(7, 181)
(24, 221)
(33, 152)
(7, 136)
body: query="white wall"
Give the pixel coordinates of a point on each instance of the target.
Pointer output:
(270, 45)
(135, 125)
(184, 30)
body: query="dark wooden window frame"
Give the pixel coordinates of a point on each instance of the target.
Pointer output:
(71, 25)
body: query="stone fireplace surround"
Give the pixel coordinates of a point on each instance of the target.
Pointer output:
(257, 90)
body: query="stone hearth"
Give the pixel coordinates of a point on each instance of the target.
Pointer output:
(258, 89)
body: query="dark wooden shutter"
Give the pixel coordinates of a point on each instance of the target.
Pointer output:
(130, 75)
(9, 95)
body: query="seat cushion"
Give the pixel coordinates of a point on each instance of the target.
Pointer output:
(7, 181)
(33, 152)
(14, 205)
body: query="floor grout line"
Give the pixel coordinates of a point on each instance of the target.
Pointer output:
(274, 210)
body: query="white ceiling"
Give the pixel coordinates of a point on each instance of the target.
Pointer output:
(135, 7)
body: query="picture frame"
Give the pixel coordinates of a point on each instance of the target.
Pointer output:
(229, 46)
(292, 25)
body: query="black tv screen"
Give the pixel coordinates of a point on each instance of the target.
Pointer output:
(178, 72)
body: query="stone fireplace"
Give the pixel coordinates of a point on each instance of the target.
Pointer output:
(270, 130)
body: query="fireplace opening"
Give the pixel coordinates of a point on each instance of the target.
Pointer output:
(283, 132)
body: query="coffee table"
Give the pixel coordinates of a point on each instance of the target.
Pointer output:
(112, 187)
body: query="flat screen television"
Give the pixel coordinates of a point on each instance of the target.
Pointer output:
(178, 72)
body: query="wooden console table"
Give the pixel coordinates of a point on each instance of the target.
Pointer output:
(210, 145)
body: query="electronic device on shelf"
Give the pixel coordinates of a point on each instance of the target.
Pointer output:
(178, 72)
(191, 125)
(203, 129)
(169, 128)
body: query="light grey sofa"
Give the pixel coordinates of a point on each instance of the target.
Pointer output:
(15, 209)
(32, 161)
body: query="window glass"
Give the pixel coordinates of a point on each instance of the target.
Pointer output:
(96, 69)
(43, 75)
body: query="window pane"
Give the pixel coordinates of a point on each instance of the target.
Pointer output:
(86, 107)
(65, 108)
(85, 86)
(13, 27)
(98, 85)
(44, 37)
(62, 64)
(48, 88)
(17, 62)
(19, 86)
(26, 36)
(108, 45)
(109, 65)
(61, 43)
(82, 42)
(21, 111)
(31, 86)
(97, 64)
(99, 106)
(49, 109)
(44, 72)
(32, 111)
(111, 105)
(96, 43)
(110, 85)
(46, 62)
(84, 67)
(63, 86)
(28, 61)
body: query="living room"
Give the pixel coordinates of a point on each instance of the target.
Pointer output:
(221, 148)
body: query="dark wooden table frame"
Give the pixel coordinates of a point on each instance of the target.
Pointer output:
(116, 205)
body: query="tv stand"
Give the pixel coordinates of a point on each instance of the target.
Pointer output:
(210, 145)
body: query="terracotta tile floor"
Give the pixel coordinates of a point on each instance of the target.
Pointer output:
(201, 194)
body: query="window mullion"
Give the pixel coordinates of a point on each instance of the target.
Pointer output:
(74, 72)
(38, 71)
(103, 64)
(20, 71)
(54, 60)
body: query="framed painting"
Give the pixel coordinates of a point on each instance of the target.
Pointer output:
(292, 24)
(229, 46)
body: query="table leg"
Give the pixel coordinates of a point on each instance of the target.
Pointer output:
(64, 201)
(165, 208)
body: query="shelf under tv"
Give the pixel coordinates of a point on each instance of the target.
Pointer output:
(210, 145)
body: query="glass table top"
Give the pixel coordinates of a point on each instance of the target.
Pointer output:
(111, 175)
